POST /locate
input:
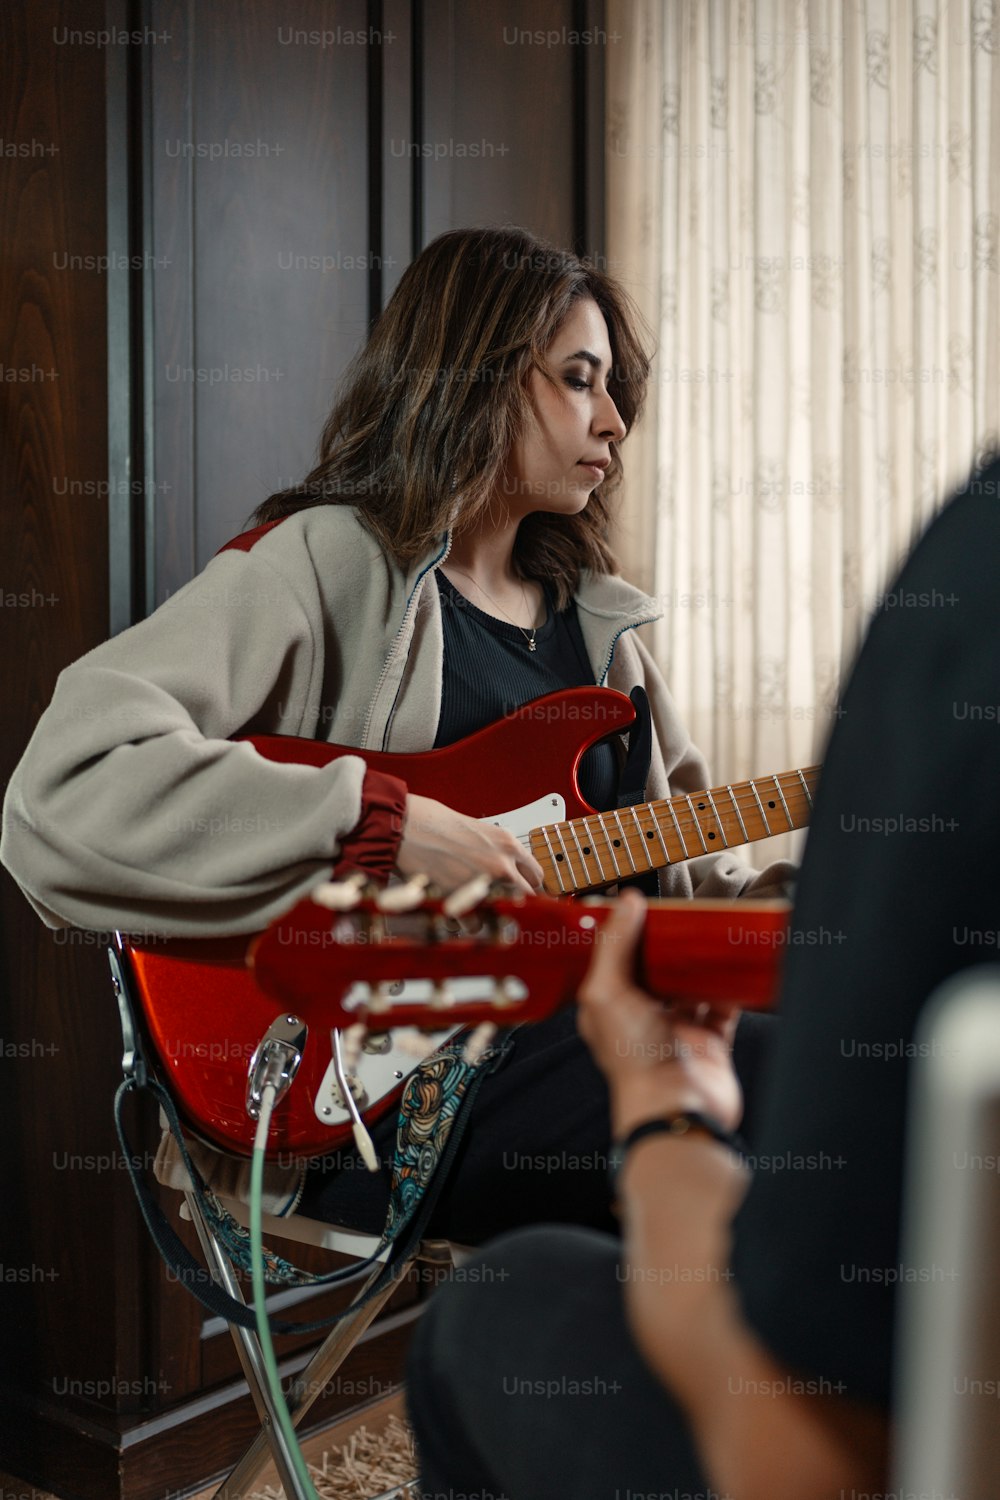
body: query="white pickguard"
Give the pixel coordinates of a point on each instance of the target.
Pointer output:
(521, 820)
(379, 1073)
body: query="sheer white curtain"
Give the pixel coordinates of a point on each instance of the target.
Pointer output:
(804, 199)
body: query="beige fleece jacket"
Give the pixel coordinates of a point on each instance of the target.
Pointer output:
(132, 808)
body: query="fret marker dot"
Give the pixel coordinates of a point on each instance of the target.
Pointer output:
(586, 849)
(617, 843)
(649, 835)
(770, 804)
(701, 807)
(711, 835)
(559, 859)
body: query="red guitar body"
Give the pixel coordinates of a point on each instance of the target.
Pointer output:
(521, 773)
(528, 754)
(205, 1011)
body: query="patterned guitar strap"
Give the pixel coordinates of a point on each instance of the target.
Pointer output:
(433, 1115)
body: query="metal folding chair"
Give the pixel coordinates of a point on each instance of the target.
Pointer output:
(324, 1363)
(270, 1443)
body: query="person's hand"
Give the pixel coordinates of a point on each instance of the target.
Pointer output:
(657, 1057)
(451, 848)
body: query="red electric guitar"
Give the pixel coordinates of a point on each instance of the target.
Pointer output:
(521, 773)
(319, 971)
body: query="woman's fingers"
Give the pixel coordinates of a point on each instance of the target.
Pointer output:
(451, 848)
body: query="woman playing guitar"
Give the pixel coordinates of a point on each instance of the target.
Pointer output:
(446, 561)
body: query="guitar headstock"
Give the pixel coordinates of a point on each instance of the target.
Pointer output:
(408, 957)
(350, 954)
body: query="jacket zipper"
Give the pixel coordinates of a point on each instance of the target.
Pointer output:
(390, 658)
(614, 641)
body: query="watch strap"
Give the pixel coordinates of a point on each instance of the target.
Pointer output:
(682, 1122)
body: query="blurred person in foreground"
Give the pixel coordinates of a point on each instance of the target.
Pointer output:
(738, 1341)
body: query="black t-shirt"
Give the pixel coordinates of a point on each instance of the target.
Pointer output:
(489, 671)
(900, 867)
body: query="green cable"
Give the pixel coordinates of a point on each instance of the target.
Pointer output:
(259, 1293)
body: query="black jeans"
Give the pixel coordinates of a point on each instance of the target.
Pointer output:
(527, 1359)
(535, 1147)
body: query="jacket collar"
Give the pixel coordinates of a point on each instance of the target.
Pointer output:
(606, 605)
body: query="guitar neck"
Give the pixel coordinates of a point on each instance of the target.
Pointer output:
(585, 854)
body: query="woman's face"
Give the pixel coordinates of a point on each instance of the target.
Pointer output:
(565, 449)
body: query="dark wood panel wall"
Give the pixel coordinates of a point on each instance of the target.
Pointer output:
(204, 204)
(53, 573)
(285, 206)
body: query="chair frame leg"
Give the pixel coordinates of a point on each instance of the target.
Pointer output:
(251, 1358)
(270, 1442)
(307, 1386)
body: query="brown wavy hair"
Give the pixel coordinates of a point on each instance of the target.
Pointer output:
(431, 406)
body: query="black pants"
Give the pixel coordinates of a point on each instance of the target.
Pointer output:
(535, 1147)
(523, 1382)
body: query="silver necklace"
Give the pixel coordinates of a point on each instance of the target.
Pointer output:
(529, 636)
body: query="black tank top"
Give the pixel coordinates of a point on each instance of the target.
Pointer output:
(489, 671)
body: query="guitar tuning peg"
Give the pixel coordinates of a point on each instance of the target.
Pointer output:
(413, 1042)
(352, 1042)
(505, 993)
(340, 895)
(402, 898)
(441, 997)
(478, 1042)
(466, 896)
(383, 994)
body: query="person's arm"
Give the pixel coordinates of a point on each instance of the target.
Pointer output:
(401, 831)
(133, 808)
(764, 1431)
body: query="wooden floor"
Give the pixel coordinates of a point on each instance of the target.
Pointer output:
(372, 1417)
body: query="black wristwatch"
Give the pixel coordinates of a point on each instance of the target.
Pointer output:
(677, 1124)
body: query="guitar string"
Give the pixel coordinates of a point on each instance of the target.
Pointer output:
(795, 796)
(644, 837)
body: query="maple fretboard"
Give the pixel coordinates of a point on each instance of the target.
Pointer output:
(593, 851)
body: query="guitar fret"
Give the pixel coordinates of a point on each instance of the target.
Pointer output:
(784, 804)
(621, 830)
(578, 840)
(680, 835)
(659, 835)
(569, 863)
(711, 803)
(760, 807)
(649, 857)
(694, 815)
(736, 809)
(593, 844)
(606, 835)
(579, 850)
(554, 861)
